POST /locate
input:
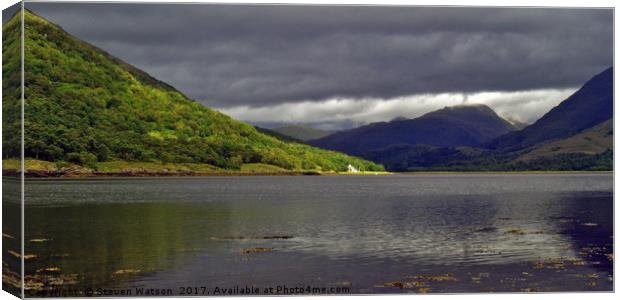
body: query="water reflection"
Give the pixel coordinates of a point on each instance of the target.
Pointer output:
(360, 230)
(11, 234)
(98, 242)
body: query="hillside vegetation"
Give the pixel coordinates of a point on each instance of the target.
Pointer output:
(595, 140)
(84, 106)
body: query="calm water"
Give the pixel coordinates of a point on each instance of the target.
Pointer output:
(381, 234)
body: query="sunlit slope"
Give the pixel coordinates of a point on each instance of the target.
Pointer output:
(595, 140)
(587, 107)
(85, 106)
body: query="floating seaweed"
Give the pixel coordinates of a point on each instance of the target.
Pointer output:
(424, 290)
(439, 278)
(591, 284)
(41, 240)
(485, 229)
(26, 256)
(40, 282)
(577, 262)
(539, 265)
(11, 278)
(256, 250)
(397, 284)
(268, 237)
(126, 272)
(49, 270)
(518, 231)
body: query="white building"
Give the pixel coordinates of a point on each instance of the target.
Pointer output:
(352, 169)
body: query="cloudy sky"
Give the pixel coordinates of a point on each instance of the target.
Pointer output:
(336, 66)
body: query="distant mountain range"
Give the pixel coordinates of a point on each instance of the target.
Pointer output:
(589, 106)
(471, 126)
(278, 135)
(301, 132)
(575, 135)
(517, 124)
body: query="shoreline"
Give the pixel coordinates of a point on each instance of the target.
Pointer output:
(41, 174)
(95, 174)
(503, 172)
(121, 169)
(45, 169)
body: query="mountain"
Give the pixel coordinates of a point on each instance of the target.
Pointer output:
(399, 118)
(400, 158)
(590, 149)
(517, 124)
(300, 132)
(84, 106)
(278, 135)
(470, 125)
(590, 105)
(575, 135)
(591, 141)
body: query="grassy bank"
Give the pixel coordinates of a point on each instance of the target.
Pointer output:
(40, 168)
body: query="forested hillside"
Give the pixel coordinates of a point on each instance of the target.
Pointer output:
(84, 106)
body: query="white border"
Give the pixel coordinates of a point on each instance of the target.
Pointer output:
(549, 3)
(23, 199)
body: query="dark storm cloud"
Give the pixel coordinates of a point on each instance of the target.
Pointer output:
(239, 55)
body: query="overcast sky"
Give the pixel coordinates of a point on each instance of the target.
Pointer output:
(335, 65)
